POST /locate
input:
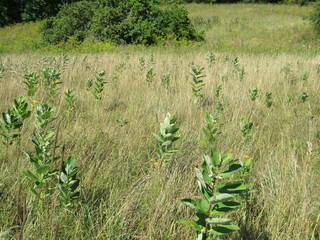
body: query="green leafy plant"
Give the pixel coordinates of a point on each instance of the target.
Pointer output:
(253, 93)
(108, 21)
(43, 156)
(10, 126)
(238, 68)
(268, 99)
(218, 91)
(220, 185)
(219, 102)
(220, 106)
(165, 80)
(212, 129)
(2, 70)
(12, 121)
(197, 82)
(73, 20)
(68, 183)
(287, 69)
(304, 97)
(236, 63)
(32, 83)
(142, 63)
(241, 72)
(314, 17)
(211, 58)
(122, 121)
(70, 100)
(89, 84)
(165, 140)
(50, 80)
(20, 108)
(245, 128)
(97, 86)
(317, 67)
(44, 176)
(150, 75)
(305, 76)
(152, 59)
(289, 99)
(118, 69)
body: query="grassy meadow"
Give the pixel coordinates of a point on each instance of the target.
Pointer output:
(123, 195)
(234, 28)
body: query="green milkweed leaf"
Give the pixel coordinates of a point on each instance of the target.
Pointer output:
(224, 229)
(221, 198)
(222, 221)
(192, 224)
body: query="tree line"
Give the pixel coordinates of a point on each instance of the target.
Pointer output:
(15, 11)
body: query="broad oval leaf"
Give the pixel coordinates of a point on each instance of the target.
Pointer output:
(215, 157)
(191, 203)
(226, 157)
(223, 197)
(30, 175)
(224, 207)
(225, 229)
(232, 170)
(222, 221)
(192, 224)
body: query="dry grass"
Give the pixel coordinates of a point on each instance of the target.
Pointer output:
(255, 28)
(122, 195)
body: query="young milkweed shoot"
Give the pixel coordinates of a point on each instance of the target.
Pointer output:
(165, 140)
(197, 82)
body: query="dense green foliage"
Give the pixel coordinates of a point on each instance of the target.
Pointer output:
(315, 17)
(122, 22)
(13, 11)
(9, 12)
(72, 20)
(301, 2)
(39, 9)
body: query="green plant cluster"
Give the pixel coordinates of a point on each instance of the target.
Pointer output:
(315, 17)
(43, 159)
(301, 2)
(43, 156)
(197, 82)
(220, 189)
(121, 22)
(12, 121)
(13, 11)
(97, 86)
(68, 183)
(164, 141)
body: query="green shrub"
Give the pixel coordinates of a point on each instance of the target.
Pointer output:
(9, 12)
(14, 11)
(72, 20)
(38, 9)
(121, 22)
(315, 17)
(186, 1)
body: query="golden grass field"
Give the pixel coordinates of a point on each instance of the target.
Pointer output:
(123, 195)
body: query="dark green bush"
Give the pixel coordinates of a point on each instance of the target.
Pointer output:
(9, 12)
(315, 17)
(122, 22)
(38, 9)
(14, 11)
(72, 20)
